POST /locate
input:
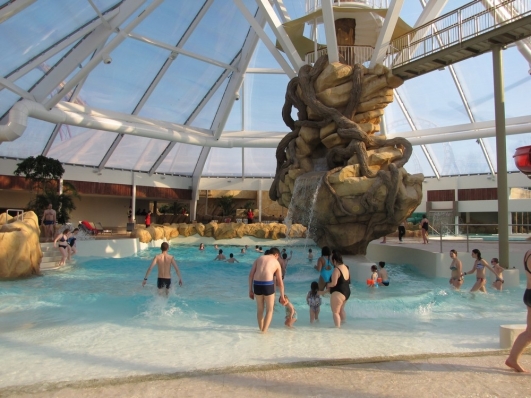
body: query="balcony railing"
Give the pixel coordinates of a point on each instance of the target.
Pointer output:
(313, 5)
(348, 54)
(453, 28)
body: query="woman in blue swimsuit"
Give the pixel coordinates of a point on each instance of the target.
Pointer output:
(524, 339)
(479, 268)
(325, 267)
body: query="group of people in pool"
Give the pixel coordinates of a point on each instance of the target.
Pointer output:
(334, 278)
(480, 269)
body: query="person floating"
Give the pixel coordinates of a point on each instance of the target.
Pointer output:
(164, 262)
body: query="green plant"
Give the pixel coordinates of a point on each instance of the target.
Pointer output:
(226, 203)
(249, 205)
(45, 174)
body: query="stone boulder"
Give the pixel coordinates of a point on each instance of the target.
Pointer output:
(342, 179)
(142, 234)
(210, 229)
(20, 249)
(297, 231)
(156, 232)
(187, 229)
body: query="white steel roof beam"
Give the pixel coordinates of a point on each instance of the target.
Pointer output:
(16, 89)
(58, 47)
(180, 51)
(55, 77)
(155, 83)
(265, 39)
(281, 8)
(236, 79)
(386, 33)
(330, 31)
(280, 34)
(14, 8)
(130, 6)
(431, 11)
(414, 128)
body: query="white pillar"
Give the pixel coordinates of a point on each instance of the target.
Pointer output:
(260, 204)
(133, 197)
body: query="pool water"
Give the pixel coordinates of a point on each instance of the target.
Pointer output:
(93, 319)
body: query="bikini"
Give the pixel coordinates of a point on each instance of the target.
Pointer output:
(527, 293)
(63, 239)
(342, 286)
(479, 266)
(454, 268)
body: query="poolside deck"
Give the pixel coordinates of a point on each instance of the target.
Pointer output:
(476, 375)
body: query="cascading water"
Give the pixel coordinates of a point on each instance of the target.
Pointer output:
(301, 211)
(441, 220)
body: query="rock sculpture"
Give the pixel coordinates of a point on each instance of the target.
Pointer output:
(20, 250)
(365, 190)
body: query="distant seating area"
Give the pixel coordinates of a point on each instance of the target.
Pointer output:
(91, 228)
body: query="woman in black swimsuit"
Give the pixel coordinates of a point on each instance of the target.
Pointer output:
(62, 238)
(339, 288)
(424, 227)
(524, 339)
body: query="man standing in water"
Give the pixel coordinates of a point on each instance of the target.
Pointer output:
(262, 287)
(164, 262)
(49, 219)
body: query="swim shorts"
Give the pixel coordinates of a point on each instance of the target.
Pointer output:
(263, 288)
(385, 283)
(527, 297)
(163, 282)
(49, 222)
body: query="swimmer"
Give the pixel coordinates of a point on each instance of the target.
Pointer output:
(216, 247)
(262, 288)
(260, 250)
(220, 256)
(244, 249)
(456, 268)
(284, 262)
(524, 339)
(310, 255)
(232, 259)
(164, 262)
(256, 248)
(201, 246)
(479, 268)
(291, 314)
(382, 274)
(314, 301)
(498, 271)
(72, 249)
(374, 276)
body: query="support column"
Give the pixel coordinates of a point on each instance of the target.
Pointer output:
(133, 197)
(193, 208)
(501, 156)
(260, 203)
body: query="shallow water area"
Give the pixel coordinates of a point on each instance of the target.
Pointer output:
(93, 319)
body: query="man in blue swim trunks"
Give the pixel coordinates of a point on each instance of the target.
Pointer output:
(49, 219)
(164, 262)
(262, 286)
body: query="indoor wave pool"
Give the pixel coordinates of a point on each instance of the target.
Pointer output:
(93, 319)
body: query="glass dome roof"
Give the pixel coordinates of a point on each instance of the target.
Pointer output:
(200, 69)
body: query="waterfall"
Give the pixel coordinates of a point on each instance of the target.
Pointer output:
(443, 217)
(302, 205)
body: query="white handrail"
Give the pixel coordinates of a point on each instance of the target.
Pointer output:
(313, 5)
(351, 54)
(450, 29)
(18, 212)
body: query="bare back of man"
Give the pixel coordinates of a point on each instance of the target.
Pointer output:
(164, 262)
(262, 288)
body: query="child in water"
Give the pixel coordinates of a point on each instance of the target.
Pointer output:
(498, 271)
(382, 274)
(374, 276)
(310, 255)
(232, 259)
(314, 301)
(291, 314)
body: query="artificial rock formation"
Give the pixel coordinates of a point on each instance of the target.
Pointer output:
(365, 191)
(20, 250)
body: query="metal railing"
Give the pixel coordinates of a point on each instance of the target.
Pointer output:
(18, 212)
(453, 28)
(312, 5)
(351, 55)
(443, 227)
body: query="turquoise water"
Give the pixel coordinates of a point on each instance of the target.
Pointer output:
(93, 319)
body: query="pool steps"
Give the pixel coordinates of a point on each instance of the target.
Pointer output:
(51, 256)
